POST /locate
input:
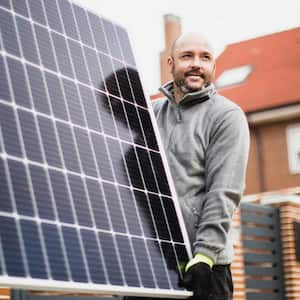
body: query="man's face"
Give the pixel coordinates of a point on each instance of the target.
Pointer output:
(192, 64)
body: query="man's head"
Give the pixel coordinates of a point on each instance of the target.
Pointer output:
(192, 63)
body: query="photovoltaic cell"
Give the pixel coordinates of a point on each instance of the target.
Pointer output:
(85, 200)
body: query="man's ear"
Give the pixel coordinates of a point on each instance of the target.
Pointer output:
(170, 62)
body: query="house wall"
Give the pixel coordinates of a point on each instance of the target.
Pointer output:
(268, 168)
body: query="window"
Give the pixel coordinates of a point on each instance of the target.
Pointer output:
(293, 145)
(233, 76)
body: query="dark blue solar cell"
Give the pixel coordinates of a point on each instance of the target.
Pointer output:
(61, 197)
(4, 88)
(171, 262)
(30, 136)
(49, 141)
(112, 39)
(37, 11)
(9, 33)
(90, 108)
(114, 207)
(97, 30)
(120, 118)
(18, 81)
(20, 187)
(38, 90)
(28, 45)
(182, 256)
(73, 102)
(78, 62)
(68, 19)
(11, 247)
(102, 158)
(92, 253)
(110, 259)
(52, 14)
(74, 254)
(172, 219)
(9, 131)
(54, 252)
(97, 202)
(41, 192)
(158, 264)
(147, 171)
(83, 25)
(106, 114)
(33, 249)
(85, 152)
(109, 75)
(145, 214)
(20, 7)
(135, 175)
(5, 3)
(68, 147)
(80, 201)
(159, 217)
(142, 259)
(62, 54)
(160, 173)
(93, 68)
(181, 253)
(5, 199)
(123, 81)
(117, 161)
(137, 88)
(125, 45)
(130, 211)
(130, 272)
(45, 47)
(134, 124)
(148, 129)
(56, 96)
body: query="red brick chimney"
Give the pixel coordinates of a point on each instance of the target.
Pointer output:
(172, 31)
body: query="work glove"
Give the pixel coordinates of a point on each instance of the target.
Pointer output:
(198, 276)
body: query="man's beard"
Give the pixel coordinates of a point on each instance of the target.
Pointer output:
(184, 87)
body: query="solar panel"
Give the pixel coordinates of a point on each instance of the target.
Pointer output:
(85, 201)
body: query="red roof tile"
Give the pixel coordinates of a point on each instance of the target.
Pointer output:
(275, 78)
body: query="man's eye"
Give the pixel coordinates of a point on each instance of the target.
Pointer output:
(186, 56)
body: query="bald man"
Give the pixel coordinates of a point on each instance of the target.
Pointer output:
(206, 140)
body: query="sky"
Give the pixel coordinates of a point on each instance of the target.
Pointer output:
(223, 21)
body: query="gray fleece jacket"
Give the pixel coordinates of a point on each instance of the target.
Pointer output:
(206, 140)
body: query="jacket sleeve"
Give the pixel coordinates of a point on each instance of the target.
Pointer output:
(225, 167)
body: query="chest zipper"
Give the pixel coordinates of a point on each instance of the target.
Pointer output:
(178, 115)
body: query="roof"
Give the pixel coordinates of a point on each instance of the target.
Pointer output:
(274, 79)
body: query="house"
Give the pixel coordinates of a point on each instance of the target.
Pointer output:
(262, 75)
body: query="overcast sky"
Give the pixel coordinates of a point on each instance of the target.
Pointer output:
(223, 21)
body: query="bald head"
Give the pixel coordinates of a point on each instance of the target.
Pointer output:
(191, 37)
(192, 64)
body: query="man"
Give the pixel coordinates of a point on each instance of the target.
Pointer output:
(206, 140)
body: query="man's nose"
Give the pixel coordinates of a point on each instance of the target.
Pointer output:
(197, 62)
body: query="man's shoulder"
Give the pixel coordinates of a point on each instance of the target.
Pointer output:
(223, 104)
(158, 103)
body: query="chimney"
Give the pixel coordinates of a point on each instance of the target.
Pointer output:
(172, 31)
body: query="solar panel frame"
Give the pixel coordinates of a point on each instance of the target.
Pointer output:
(142, 104)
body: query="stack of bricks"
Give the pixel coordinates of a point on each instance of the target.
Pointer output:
(289, 213)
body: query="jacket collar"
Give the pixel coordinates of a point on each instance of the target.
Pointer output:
(189, 98)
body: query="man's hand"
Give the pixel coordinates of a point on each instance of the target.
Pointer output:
(198, 277)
